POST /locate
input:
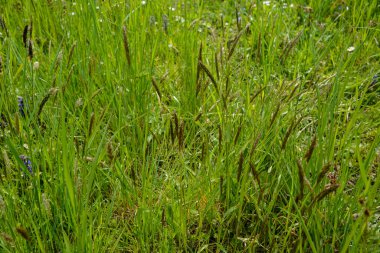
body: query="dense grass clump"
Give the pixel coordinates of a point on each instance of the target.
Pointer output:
(189, 126)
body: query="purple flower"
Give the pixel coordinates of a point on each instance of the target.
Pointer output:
(21, 106)
(375, 79)
(27, 163)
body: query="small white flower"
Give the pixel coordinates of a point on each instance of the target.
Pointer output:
(36, 65)
(350, 49)
(143, 2)
(267, 3)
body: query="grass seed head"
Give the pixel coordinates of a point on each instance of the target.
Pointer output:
(254, 146)
(42, 104)
(323, 172)
(71, 53)
(6, 237)
(208, 73)
(237, 134)
(110, 151)
(274, 115)
(163, 218)
(30, 50)
(311, 149)
(254, 172)
(328, 189)
(25, 36)
(235, 42)
(126, 46)
(288, 132)
(171, 132)
(156, 88)
(23, 232)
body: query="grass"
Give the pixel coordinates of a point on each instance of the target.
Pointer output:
(207, 126)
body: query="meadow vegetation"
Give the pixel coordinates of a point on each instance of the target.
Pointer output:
(189, 126)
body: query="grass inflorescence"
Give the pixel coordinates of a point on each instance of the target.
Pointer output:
(189, 126)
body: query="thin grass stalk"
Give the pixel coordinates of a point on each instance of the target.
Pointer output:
(181, 138)
(176, 122)
(92, 122)
(198, 85)
(238, 19)
(17, 124)
(4, 26)
(258, 52)
(301, 176)
(221, 183)
(240, 166)
(220, 139)
(217, 65)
